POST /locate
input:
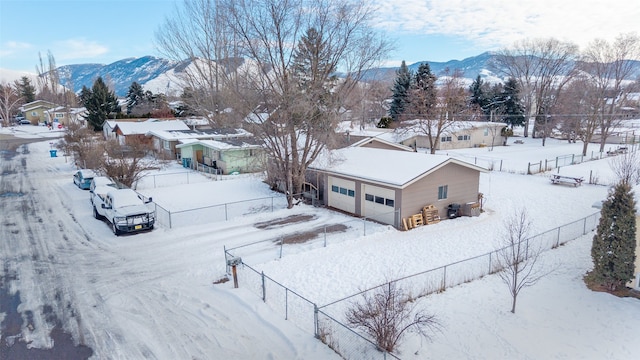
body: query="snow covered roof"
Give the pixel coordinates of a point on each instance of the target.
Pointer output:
(369, 140)
(392, 168)
(224, 144)
(175, 135)
(137, 128)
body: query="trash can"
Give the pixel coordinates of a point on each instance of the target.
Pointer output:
(53, 152)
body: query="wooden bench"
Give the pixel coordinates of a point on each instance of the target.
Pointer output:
(566, 180)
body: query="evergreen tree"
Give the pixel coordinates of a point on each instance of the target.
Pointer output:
(423, 95)
(26, 90)
(512, 108)
(100, 103)
(400, 92)
(135, 96)
(479, 97)
(613, 248)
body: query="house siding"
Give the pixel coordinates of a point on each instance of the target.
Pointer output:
(462, 182)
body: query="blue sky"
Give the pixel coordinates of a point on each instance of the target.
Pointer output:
(104, 31)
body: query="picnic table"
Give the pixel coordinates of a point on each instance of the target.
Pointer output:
(566, 180)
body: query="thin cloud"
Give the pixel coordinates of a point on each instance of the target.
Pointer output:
(78, 49)
(498, 23)
(12, 47)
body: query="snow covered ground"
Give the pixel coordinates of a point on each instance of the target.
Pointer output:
(151, 295)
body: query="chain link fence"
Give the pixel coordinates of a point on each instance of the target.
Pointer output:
(326, 322)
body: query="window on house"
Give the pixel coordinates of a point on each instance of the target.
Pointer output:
(389, 202)
(343, 191)
(464, 137)
(379, 200)
(445, 139)
(59, 115)
(486, 131)
(335, 188)
(442, 192)
(351, 193)
(368, 197)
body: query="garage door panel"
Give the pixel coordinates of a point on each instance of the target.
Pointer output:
(342, 194)
(378, 203)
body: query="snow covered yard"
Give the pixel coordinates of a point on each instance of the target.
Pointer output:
(151, 294)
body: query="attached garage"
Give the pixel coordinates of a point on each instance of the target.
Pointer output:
(342, 194)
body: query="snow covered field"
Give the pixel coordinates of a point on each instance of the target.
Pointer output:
(151, 295)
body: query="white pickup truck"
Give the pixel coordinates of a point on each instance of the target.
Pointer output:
(124, 209)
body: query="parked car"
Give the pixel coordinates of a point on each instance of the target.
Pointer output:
(82, 178)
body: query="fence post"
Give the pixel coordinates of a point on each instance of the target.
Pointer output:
(224, 247)
(558, 237)
(187, 177)
(325, 236)
(444, 278)
(315, 321)
(490, 263)
(528, 168)
(286, 303)
(500, 164)
(169, 219)
(226, 215)
(264, 289)
(364, 226)
(281, 241)
(584, 227)
(154, 181)
(272, 204)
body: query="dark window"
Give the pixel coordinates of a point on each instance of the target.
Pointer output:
(442, 192)
(351, 193)
(379, 200)
(334, 188)
(389, 202)
(343, 191)
(368, 197)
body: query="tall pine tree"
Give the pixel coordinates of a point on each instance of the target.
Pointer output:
(512, 109)
(135, 96)
(423, 95)
(100, 103)
(400, 92)
(26, 90)
(613, 248)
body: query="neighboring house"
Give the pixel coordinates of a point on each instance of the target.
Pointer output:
(165, 141)
(388, 186)
(126, 131)
(65, 115)
(35, 110)
(378, 143)
(242, 155)
(462, 134)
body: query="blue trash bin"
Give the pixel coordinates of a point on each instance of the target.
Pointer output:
(53, 153)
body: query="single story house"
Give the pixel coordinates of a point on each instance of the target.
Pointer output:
(378, 143)
(65, 115)
(388, 186)
(125, 130)
(242, 155)
(165, 141)
(35, 110)
(460, 135)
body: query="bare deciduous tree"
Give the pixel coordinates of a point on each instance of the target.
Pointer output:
(519, 257)
(626, 166)
(608, 66)
(541, 67)
(9, 102)
(86, 146)
(388, 314)
(127, 163)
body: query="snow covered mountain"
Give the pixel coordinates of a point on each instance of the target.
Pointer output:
(160, 75)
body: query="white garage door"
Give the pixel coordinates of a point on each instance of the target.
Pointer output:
(378, 203)
(342, 194)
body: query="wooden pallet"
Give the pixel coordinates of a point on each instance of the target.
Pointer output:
(430, 214)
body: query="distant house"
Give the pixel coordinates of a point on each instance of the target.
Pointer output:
(35, 110)
(65, 115)
(388, 186)
(127, 131)
(165, 141)
(463, 134)
(378, 143)
(242, 155)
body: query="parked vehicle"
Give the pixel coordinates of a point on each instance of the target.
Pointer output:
(101, 181)
(82, 178)
(124, 209)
